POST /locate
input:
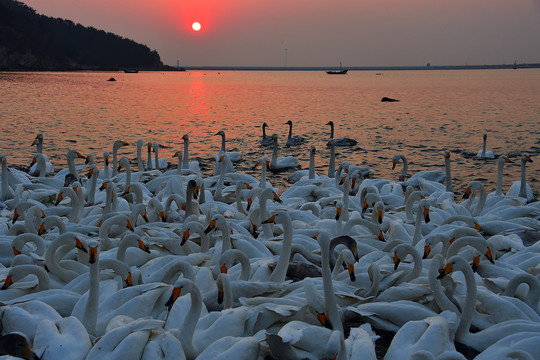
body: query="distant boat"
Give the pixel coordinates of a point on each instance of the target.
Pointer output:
(131, 71)
(341, 71)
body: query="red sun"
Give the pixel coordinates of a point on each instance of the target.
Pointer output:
(196, 26)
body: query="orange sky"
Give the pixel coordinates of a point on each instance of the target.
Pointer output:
(318, 32)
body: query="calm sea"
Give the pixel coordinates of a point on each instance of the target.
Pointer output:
(437, 110)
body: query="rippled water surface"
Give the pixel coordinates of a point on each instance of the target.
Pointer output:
(437, 110)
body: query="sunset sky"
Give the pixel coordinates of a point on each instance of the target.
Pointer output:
(318, 32)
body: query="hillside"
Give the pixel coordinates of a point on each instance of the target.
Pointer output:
(30, 41)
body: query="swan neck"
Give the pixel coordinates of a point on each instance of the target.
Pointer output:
(280, 272)
(329, 297)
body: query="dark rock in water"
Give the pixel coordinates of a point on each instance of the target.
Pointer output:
(387, 99)
(112, 79)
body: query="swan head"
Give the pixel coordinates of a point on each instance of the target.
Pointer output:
(447, 154)
(106, 158)
(265, 125)
(93, 252)
(185, 137)
(527, 157)
(289, 123)
(331, 123)
(220, 133)
(18, 345)
(484, 135)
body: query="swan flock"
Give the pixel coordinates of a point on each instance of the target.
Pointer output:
(152, 260)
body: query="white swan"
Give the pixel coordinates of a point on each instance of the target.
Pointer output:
(293, 140)
(483, 154)
(157, 162)
(344, 141)
(483, 339)
(281, 163)
(116, 146)
(266, 139)
(187, 166)
(6, 192)
(520, 187)
(38, 141)
(448, 173)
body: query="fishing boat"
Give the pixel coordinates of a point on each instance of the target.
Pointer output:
(131, 71)
(341, 71)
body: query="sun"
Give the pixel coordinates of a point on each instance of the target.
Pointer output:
(196, 26)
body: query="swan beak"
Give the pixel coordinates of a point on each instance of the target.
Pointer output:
(267, 165)
(185, 237)
(467, 193)
(80, 156)
(58, 199)
(364, 206)
(445, 271)
(477, 226)
(15, 216)
(255, 166)
(475, 263)
(352, 276)
(34, 142)
(489, 256)
(508, 160)
(80, 246)
(249, 187)
(254, 230)
(427, 250)
(92, 254)
(211, 226)
(175, 295)
(223, 269)
(7, 282)
(143, 247)
(323, 319)
(124, 143)
(162, 216)
(103, 186)
(397, 260)
(380, 216)
(276, 198)
(249, 203)
(338, 213)
(126, 191)
(87, 160)
(528, 158)
(90, 172)
(41, 230)
(394, 163)
(426, 215)
(106, 160)
(452, 240)
(129, 280)
(129, 226)
(145, 216)
(447, 154)
(34, 160)
(381, 236)
(270, 220)
(342, 179)
(15, 251)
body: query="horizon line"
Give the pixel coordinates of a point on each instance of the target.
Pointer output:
(361, 68)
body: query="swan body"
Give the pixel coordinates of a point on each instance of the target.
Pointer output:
(281, 163)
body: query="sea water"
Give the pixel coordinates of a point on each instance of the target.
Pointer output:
(437, 111)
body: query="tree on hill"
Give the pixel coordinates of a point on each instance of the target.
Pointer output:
(29, 41)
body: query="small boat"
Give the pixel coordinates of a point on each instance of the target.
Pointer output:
(131, 71)
(341, 71)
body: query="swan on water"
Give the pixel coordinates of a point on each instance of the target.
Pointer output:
(483, 153)
(293, 140)
(344, 141)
